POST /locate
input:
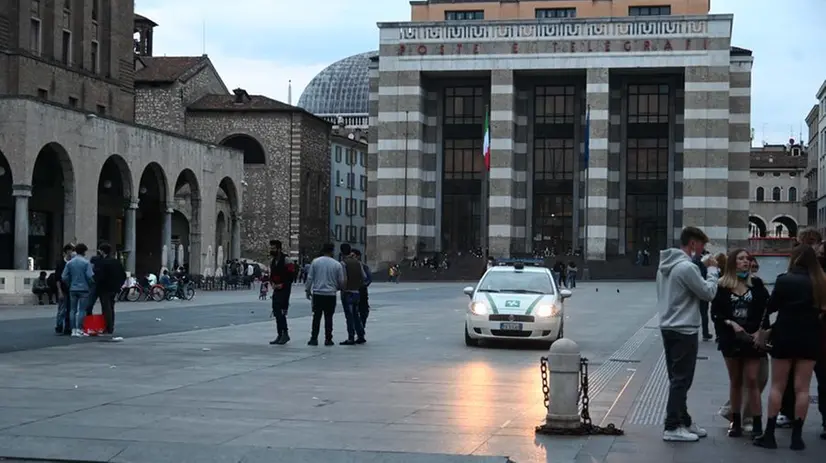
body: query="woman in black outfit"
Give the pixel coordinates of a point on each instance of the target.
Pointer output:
(799, 297)
(738, 311)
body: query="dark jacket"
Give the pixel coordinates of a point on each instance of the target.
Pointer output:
(109, 274)
(793, 300)
(722, 310)
(355, 273)
(58, 271)
(282, 272)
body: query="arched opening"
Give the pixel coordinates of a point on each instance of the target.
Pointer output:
(792, 195)
(150, 218)
(51, 206)
(114, 193)
(761, 194)
(227, 207)
(757, 227)
(185, 222)
(776, 193)
(6, 215)
(253, 151)
(784, 226)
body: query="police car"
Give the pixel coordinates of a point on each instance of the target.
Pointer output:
(515, 301)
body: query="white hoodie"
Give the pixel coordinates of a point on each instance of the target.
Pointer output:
(680, 288)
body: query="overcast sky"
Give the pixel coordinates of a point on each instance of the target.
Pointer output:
(262, 44)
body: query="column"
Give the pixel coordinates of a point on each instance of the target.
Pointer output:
(596, 189)
(401, 174)
(740, 151)
(235, 238)
(705, 151)
(194, 256)
(129, 227)
(502, 182)
(21, 194)
(166, 237)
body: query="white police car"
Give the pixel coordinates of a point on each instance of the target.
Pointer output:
(515, 302)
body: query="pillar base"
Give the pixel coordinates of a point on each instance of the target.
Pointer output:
(553, 422)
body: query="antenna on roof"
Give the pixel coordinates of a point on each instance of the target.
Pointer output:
(203, 36)
(290, 92)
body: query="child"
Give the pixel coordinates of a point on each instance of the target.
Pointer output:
(265, 287)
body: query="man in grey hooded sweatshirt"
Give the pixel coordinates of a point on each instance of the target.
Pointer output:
(680, 290)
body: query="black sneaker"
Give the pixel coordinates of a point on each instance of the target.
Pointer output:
(329, 342)
(312, 342)
(348, 342)
(284, 339)
(360, 341)
(276, 340)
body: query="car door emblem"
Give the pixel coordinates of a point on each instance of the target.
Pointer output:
(511, 318)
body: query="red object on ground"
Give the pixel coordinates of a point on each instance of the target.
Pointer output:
(94, 324)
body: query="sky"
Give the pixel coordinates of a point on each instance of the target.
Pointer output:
(262, 45)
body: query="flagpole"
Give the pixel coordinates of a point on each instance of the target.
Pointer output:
(484, 238)
(587, 149)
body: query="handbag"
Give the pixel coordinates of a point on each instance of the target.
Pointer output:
(762, 337)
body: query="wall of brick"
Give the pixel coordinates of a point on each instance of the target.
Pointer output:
(315, 166)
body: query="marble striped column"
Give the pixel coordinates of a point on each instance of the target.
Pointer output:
(428, 218)
(597, 99)
(521, 242)
(616, 168)
(739, 150)
(679, 134)
(502, 186)
(401, 173)
(705, 151)
(372, 159)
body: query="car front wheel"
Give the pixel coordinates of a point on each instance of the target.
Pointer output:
(470, 342)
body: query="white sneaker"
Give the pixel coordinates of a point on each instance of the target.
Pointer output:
(680, 434)
(725, 412)
(698, 431)
(75, 333)
(783, 421)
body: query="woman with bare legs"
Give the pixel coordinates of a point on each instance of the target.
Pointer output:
(738, 311)
(799, 297)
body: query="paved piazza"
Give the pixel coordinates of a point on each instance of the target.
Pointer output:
(197, 382)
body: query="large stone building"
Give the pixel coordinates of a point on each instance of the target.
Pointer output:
(74, 164)
(348, 191)
(777, 185)
(286, 150)
(814, 216)
(661, 102)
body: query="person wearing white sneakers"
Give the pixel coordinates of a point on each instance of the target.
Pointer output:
(78, 275)
(680, 289)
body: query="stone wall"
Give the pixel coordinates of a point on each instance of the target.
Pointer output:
(315, 163)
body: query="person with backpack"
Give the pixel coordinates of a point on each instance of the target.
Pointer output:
(109, 278)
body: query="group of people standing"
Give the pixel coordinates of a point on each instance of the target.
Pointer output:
(741, 306)
(325, 278)
(81, 282)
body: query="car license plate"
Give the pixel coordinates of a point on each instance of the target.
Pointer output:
(511, 327)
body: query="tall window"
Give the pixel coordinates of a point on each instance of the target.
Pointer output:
(35, 34)
(95, 56)
(542, 13)
(793, 195)
(338, 205)
(470, 15)
(647, 152)
(760, 195)
(66, 57)
(338, 154)
(660, 10)
(465, 106)
(95, 10)
(462, 194)
(776, 193)
(554, 166)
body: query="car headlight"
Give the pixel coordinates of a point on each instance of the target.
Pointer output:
(478, 308)
(547, 310)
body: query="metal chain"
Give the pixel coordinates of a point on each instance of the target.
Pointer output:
(586, 427)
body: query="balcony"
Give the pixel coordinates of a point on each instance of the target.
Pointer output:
(809, 195)
(347, 121)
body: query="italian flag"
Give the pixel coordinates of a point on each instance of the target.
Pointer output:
(486, 141)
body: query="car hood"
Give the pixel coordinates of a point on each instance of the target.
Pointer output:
(515, 304)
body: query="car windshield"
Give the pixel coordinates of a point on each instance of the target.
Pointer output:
(517, 282)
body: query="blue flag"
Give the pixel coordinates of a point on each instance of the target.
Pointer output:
(587, 150)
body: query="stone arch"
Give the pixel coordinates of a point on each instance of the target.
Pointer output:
(153, 220)
(187, 232)
(51, 221)
(227, 185)
(227, 188)
(788, 222)
(6, 214)
(757, 226)
(760, 194)
(254, 153)
(120, 168)
(114, 195)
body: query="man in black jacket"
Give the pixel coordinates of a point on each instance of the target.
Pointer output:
(282, 276)
(63, 323)
(109, 278)
(698, 260)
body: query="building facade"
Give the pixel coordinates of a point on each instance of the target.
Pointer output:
(660, 104)
(74, 164)
(348, 192)
(777, 208)
(285, 152)
(821, 156)
(810, 194)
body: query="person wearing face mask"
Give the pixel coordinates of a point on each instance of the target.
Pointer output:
(738, 312)
(680, 289)
(282, 275)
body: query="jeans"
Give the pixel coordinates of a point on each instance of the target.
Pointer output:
(571, 280)
(280, 306)
(364, 306)
(680, 361)
(351, 315)
(62, 322)
(704, 316)
(107, 305)
(557, 277)
(93, 297)
(78, 302)
(323, 306)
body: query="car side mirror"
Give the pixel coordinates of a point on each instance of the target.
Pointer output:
(565, 293)
(468, 291)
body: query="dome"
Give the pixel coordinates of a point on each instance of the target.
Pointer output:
(341, 88)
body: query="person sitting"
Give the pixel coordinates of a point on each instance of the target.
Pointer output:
(167, 282)
(40, 288)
